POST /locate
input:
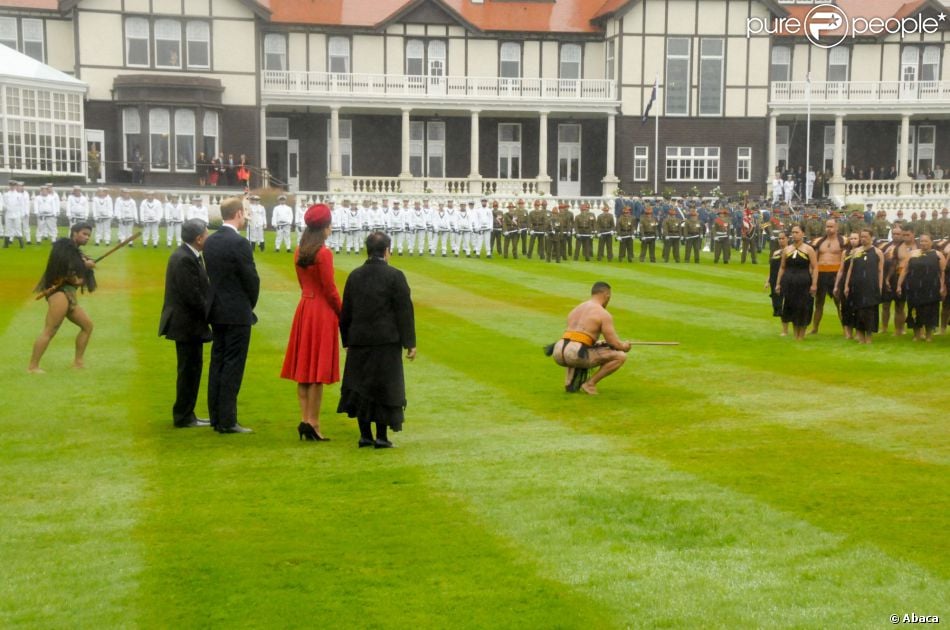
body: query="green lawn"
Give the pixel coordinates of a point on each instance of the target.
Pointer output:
(738, 480)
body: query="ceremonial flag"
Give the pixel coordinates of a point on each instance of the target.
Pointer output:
(646, 112)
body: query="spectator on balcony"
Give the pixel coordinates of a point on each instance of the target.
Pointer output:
(230, 170)
(851, 172)
(892, 172)
(938, 172)
(873, 174)
(243, 172)
(921, 174)
(203, 165)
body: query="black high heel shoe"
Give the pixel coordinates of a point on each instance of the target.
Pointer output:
(304, 430)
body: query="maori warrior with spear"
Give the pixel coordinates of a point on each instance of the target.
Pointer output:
(578, 349)
(68, 271)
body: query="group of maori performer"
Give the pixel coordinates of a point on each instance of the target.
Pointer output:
(864, 276)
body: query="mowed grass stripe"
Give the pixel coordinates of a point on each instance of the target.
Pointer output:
(336, 541)
(657, 547)
(70, 477)
(704, 446)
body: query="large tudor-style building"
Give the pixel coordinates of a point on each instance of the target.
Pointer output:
(498, 96)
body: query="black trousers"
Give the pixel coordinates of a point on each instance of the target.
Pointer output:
(692, 247)
(671, 244)
(748, 245)
(648, 244)
(721, 247)
(608, 242)
(585, 246)
(190, 362)
(539, 239)
(228, 355)
(511, 240)
(495, 242)
(626, 249)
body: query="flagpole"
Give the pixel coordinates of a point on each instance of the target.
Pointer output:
(805, 196)
(656, 141)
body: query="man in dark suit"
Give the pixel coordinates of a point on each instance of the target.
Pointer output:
(185, 318)
(376, 323)
(234, 289)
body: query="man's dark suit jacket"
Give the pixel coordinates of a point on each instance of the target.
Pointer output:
(184, 313)
(377, 308)
(235, 285)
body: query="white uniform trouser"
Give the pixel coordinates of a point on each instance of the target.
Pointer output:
(255, 234)
(125, 228)
(74, 220)
(11, 226)
(809, 189)
(150, 231)
(283, 237)
(103, 231)
(464, 243)
(173, 233)
(26, 227)
(417, 242)
(399, 241)
(483, 243)
(441, 238)
(431, 237)
(788, 196)
(456, 239)
(776, 195)
(46, 228)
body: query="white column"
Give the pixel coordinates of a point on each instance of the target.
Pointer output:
(473, 156)
(773, 151)
(405, 144)
(543, 148)
(610, 180)
(904, 146)
(837, 156)
(336, 162)
(265, 174)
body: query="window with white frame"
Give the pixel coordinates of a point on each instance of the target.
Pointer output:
(167, 44)
(611, 60)
(9, 33)
(839, 59)
(744, 164)
(338, 58)
(437, 52)
(828, 150)
(33, 38)
(509, 151)
(38, 131)
(415, 57)
(45, 138)
(677, 76)
(209, 133)
(930, 64)
(346, 146)
(159, 128)
(435, 149)
(417, 147)
(570, 66)
(780, 68)
(710, 76)
(275, 51)
(198, 34)
(131, 132)
(509, 66)
(781, 148)
(641, 163)
(136, 41)
(184, 140)
(926, 145)
(692, 164)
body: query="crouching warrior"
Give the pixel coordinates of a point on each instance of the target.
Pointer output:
(578, 349)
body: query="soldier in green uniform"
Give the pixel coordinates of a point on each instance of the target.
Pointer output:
(856, 223)
(776, 227)
(881, 227)
(722, 236)
(672, 234)
(554, 228)
(750, 234)
(497, 228)
(923, 225)
(814, 227)
(567, 232)
(511, 230)
(942, 225)
(584, 232)
(648, 231)
(626, 226)
(693, 230)
(522, 215)
(605, 233)
(537, 220)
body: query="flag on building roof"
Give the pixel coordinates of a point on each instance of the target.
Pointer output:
(646, 112)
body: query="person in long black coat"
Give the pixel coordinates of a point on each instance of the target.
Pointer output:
(235, 287)
(184, 319)
(376, 323)
(863, 286)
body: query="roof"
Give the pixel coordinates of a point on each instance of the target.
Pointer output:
(16, 65)
(559, 16)
(44, 5)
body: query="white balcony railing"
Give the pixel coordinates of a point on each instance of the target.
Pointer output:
(387, 86)
(859, 92)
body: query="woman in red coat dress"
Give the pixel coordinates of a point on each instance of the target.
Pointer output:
(313, 351)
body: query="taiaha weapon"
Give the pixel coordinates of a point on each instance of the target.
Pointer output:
(654, 343)
(53, 288)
